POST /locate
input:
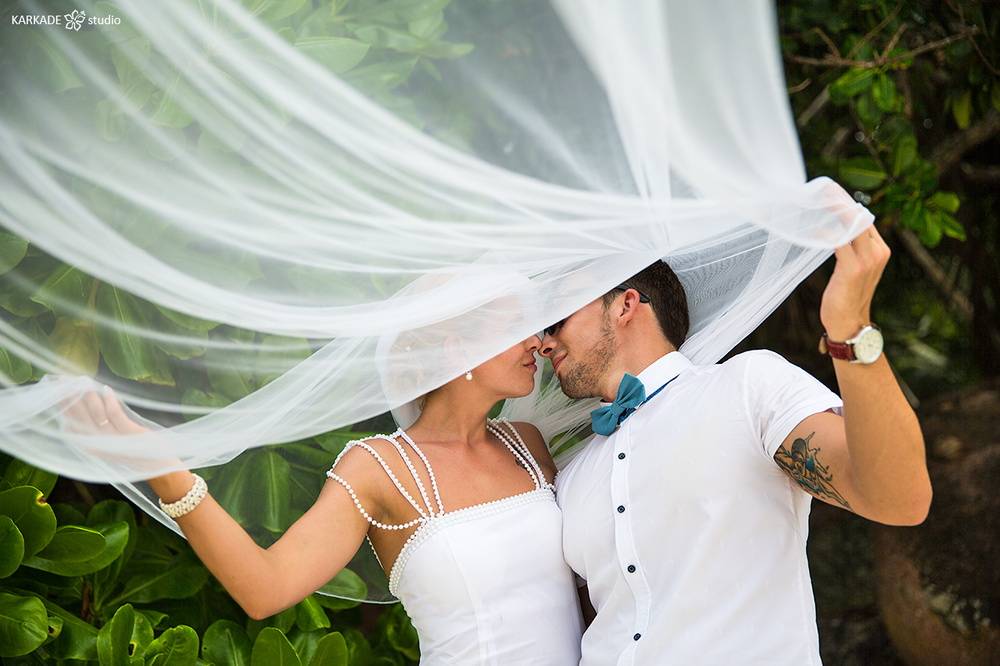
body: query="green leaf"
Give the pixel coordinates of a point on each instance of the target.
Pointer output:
(359, 650)
(863, 173)
(185, 320)
(14, 368)
(24, 624)
(951, 226)
(11, 547)
(381, 77)
(114, 640)
(269, 474)
(12, 251)
(946, 201)
(125, 350)
(855, 81)
(20, 473)
(116, 538)
(177, 646)
(995, 96)
(76, 640)
(76, 343)
(34, 518)
(961, 108)
(884, 92)
(867, 109)
(273, 10)
(338, 54)
(167, 111)
(310, 616)
(225, 643)
(331, 651)
(273, 649)
(388, 38)
(904, 153)
(180, 581)
(45, 61)
(347, 585)
(72, 543)
(66, 291)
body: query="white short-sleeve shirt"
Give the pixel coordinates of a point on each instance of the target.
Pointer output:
(689, 536)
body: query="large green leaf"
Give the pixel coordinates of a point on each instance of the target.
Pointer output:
(863, 173)
(180, 581)
(345, 584)
(225, 643)
(884, 93)
(23, 624)
(310, 616)
(331, 651)
(11, 547)
(273, 10)
(851, 83)
(45, 61)
(339, 54)
(269, 474)
(272, 649)
(116, 538)
(12, 251)
(114, 640)
(76, 343)
(124, 349)
(76, 640)
(66, 291)
(20, 473)
(14, 368)
(177, 646)
(73, 543)
(34, 518)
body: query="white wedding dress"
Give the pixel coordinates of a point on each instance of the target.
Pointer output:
(486, 584)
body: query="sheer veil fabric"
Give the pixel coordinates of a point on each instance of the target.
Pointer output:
(276, 235)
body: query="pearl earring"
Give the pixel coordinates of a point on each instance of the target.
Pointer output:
(468, 375)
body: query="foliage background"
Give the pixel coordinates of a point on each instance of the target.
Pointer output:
(898, 101)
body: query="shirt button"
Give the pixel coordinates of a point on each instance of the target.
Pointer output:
(631, 568)
(637, 637)
(621, 456)
(621, 508)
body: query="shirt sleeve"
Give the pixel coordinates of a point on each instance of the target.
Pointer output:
(779, 396)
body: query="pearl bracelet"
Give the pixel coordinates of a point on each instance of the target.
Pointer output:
(187, 503)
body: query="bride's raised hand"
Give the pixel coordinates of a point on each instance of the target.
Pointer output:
(100, 413)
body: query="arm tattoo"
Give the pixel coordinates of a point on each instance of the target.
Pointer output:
(805, 469)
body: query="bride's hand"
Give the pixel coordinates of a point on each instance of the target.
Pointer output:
(102, 413)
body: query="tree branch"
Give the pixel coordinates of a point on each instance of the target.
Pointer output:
(936, 274)
(951, 150)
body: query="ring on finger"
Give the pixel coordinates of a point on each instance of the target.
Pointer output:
(104, 423)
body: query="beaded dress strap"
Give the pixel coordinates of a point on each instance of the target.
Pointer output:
(520, 450)
(424, 515)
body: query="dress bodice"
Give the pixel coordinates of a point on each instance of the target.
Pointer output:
(487, 584)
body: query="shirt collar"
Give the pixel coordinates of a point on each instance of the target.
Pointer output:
(663, 369)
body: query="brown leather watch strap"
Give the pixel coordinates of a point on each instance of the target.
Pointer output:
(841, 350)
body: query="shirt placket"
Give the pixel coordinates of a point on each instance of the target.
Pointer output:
(629, 565)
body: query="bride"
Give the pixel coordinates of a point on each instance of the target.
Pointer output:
(459, 508)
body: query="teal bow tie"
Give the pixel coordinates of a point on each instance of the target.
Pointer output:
(631, 394)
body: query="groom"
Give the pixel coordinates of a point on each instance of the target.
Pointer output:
(686, 517)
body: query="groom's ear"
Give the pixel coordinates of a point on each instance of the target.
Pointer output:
(626, 307)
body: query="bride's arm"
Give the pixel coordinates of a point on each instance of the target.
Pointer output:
(262, 581)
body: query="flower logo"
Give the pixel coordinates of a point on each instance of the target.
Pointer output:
(75, 20)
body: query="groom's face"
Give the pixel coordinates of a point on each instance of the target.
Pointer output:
(581, 349)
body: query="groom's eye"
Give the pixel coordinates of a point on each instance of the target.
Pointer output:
(554, 328)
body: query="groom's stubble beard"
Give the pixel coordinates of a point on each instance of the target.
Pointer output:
(583, 380)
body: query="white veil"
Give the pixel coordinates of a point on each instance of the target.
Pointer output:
(216, 208)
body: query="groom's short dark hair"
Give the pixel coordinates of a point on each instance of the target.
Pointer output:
(666, 295)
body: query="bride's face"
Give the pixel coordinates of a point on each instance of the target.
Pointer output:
(511, 373)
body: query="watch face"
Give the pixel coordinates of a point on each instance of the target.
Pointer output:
(868, 345)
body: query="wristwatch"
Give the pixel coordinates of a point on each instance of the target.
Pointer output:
(865, 347)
